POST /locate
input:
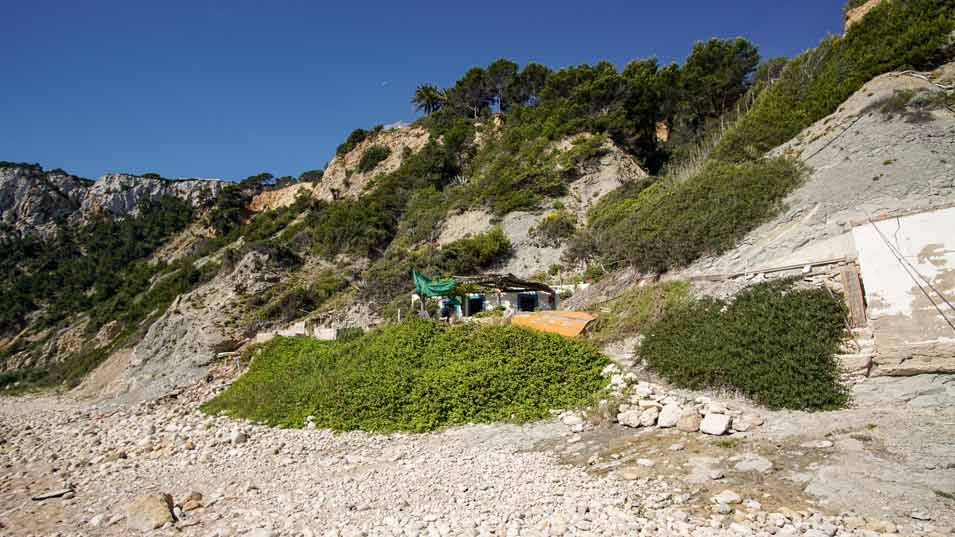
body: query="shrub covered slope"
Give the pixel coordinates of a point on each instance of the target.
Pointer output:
(773, 343)
(415, 376)
(736, 188)
(493, 135)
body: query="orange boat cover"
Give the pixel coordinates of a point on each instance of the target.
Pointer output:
(565, 323)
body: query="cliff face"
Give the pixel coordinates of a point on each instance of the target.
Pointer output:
(342, 179)
(33, 201)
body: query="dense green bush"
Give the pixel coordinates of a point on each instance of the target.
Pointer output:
(670, 224)
(895, 35)
(372, 157)
(19, 379)
(554, 228)
(465, 256)
(230, 210)
(358, 227)
(774, 343)
(356, 137)
(415, 376)
(311, 176)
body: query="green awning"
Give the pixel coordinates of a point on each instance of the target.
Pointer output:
(436, 287)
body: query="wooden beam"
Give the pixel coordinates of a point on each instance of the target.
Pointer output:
(852, 286)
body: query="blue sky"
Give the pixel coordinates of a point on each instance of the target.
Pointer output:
(230, 89)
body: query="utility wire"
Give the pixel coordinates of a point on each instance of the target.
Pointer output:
(899, 255)
(902, 262)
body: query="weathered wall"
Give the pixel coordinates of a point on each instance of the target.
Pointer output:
(911, 335)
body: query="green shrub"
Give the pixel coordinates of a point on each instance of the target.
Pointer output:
(20, 379)
(465, 256)
(670, 224)
(358, 227)
(372, 157)
(899, 34)
(774, 343)
(229, 211)
(311, 176)
(554, 228)
(415, 376)
(356, 137)
(583, 149)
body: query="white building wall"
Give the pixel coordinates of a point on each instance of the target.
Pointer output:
(895, 254)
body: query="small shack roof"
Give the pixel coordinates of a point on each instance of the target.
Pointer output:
(508, 283)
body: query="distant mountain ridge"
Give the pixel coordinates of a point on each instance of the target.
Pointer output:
(36, 202)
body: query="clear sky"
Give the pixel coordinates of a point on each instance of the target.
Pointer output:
(232, 88)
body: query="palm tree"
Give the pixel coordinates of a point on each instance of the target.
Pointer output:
(428, 98)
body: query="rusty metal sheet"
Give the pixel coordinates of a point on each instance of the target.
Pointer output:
(566, 323)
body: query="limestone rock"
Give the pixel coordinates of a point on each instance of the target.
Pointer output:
(747, 422)
(754, 463)
(630, 418)
(727, 497)
(149, 512)
(689, 422)
(669, 416)
(238, 437)
(715, 424)
(649, 416)
(34, 201)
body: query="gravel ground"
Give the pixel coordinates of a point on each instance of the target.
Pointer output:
(539, 479)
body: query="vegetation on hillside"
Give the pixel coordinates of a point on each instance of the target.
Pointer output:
(503, 138)
(669, 224)
(390, 276)
(554, 228)
(774, 343)
(372, 157)
(415, 376)
(636, 311)
(735, 188)
(910, 34)
(89, 268)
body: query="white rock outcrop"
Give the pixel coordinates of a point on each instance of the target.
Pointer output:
(33, 201)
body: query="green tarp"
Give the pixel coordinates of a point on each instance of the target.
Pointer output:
(436, 287)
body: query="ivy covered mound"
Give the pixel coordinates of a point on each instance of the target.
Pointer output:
(415, 376)
(774, 343)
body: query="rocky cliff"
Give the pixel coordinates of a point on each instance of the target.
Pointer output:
(34, 201)
(342, 178)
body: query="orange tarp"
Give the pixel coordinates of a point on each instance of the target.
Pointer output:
(565, 323)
